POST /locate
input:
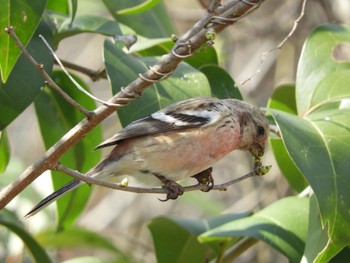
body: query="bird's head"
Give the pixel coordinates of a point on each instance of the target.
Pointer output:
(254, 129)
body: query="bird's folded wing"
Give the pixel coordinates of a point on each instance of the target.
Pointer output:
(169, 119)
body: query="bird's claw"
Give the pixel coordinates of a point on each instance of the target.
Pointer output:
(174, 190)
(205, 178)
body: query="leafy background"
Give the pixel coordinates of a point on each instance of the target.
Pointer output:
(304, 85)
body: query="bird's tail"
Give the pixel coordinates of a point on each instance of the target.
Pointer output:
(54, 196)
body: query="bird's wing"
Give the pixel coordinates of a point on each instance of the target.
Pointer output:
(198, 112)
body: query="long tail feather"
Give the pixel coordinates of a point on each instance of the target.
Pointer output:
(53, 197)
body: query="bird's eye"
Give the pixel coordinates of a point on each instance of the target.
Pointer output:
(261, 131)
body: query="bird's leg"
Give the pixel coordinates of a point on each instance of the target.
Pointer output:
(205, 178)
(173, 189)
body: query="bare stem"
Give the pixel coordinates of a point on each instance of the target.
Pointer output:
(281, 44)
(157, 190)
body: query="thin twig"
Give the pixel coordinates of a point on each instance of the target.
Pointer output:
(157, 190)
(11, 31)
(94, 75)
(79, 87)
(281, 44)
(167, 63)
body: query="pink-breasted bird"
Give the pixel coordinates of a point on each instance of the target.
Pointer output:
(182, 140)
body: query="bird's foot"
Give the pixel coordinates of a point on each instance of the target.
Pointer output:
(205, 178)
(174, 190)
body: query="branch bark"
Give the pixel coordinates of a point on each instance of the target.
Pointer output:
(187, 44)
(155, 190)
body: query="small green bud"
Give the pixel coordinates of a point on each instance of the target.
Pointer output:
(210, 35)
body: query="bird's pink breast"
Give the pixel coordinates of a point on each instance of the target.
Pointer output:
(182, 154)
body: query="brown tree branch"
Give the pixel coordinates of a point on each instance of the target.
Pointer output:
(195, 38)
(155, 190)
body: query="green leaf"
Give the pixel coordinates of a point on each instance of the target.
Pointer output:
(317, 143)
(74, 238)
(208, 57)
(318, 238)
(74, 4)
(175, 244)
(319, 147)
(138, 8)
(12, 223)
(57, 117)
(320, 77)
(24, 16)
(58, 6)
(153, 23)
(4, 151)
(221, 84)
(283, 225)
(281, 100)
(122, 69)
(83, 24)
(24, 83)
(175, 238)
(151, 47)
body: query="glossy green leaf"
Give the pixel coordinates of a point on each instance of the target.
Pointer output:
(207, 57)
(153, 23)
(57, 117)
(24, 16)
(320, 77)
(83, 24)
(221, 84)
(74, 238)
(319, 147)
(175, 238)
(122, 69)
(4, 151)
(317, 143)
(283, 225)
(174, 244)
(25, 82)
(318, 238)
(12, 224)
(74, 5)
(151, 47)
(144, 6)
(283, 99)
(60, 6)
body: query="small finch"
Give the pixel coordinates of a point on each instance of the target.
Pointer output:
(180, 141)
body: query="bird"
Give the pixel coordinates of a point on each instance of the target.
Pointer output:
(182, 140)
